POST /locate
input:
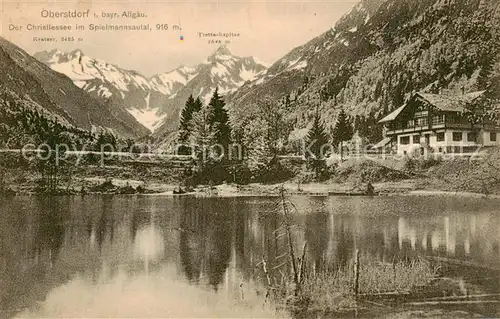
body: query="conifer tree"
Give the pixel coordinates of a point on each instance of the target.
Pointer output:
(186, 116)
(202, 135)
(342, 131)
(316, 140)
(197, 105)
(219, 120)
(191, 107)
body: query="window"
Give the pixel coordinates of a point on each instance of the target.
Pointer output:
(440, 137)
(411, 123)
(416, 139)
(420, 112)
(493, 137)
(438, 119)
(457, 136)
(405, 140)
(422, 121)
(471, 137)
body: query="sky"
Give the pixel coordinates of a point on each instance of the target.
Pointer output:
(267, 29)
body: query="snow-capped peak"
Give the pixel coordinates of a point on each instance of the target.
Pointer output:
(149, 99)
(221, 54)
(222, 50)
(170, 82)
(80, 67)
(76, 53)
(107, 82)
(222, 70)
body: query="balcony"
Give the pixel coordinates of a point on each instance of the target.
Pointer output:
(411, 129)
(461, 126)
(438, 126)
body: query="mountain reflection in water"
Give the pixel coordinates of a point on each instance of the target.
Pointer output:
(185, 257)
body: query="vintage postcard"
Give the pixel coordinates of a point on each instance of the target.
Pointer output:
(250, 159)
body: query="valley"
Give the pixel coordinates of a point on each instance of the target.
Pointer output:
(358, 175)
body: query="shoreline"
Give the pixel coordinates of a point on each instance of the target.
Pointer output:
(452, 194)
(417, 193)
(386, 189)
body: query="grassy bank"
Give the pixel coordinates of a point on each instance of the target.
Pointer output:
(332, 291)
(390, 176)
(86, 175)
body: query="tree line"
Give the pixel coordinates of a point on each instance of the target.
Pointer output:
(249, 144)
(202, 127)
(24, 125)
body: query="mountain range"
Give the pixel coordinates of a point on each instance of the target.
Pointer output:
(378, 54)
(24, 78)
(154, 102)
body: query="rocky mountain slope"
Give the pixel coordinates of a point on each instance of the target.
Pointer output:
(124, 90)
(24, 78)
(155, 102)
(379, 53)
(221, 70)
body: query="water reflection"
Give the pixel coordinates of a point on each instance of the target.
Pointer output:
(49, 236)
(205, 242)
(453, 236)
(317, 235)
(192, 243)
(215, 244)
(218, 250)
(148, 244)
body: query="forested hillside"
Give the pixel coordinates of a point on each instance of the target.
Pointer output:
(32, 81)
(23, 122)
(377, 55)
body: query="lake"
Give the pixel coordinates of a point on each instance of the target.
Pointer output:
(154, 256)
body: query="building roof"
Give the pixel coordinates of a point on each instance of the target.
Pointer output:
(451, 103)
(382, 143)
(392, 116)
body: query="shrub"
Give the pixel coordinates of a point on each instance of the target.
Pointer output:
(361, 171)
(305, 176)
(92, 159)
(428, 162)
(326, 292)
(414, 164)
(240, 174)
(140, 189)
(127, 189)
(106, 186)
(212, 172)
(277, 171)
(410, 165)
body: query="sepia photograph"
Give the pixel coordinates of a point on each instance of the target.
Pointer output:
(250, 159)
